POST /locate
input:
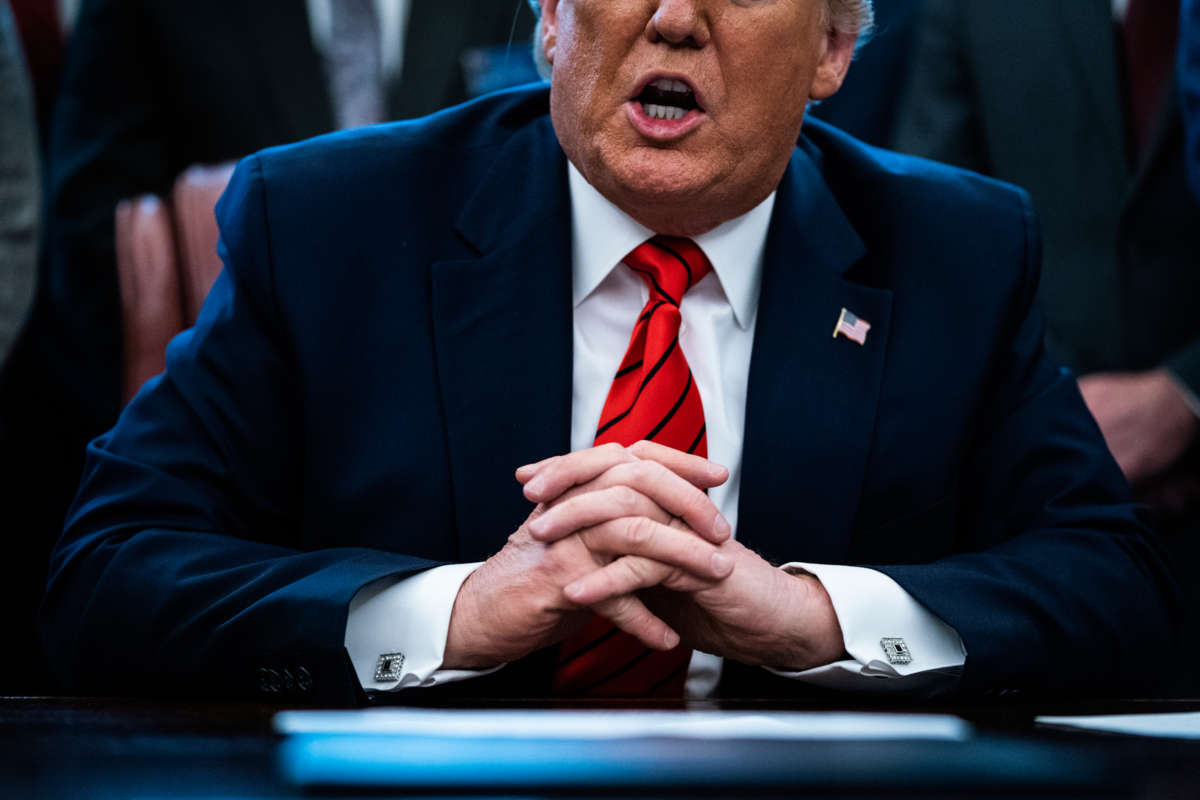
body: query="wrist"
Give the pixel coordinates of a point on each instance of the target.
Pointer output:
(465, 646)
(815, 635)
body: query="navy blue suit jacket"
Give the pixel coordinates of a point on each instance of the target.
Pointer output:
(392, 337)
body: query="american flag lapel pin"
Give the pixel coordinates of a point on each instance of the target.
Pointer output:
(851, 327)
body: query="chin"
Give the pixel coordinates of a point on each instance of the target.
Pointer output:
(659, 177)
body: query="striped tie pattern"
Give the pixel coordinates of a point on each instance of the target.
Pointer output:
(653, 397)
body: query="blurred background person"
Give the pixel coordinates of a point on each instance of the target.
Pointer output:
(20, 189)
(149, 88)
(42, 25)
(1189, 80)
(1076, 102)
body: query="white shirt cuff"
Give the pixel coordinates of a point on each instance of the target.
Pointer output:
(396, 630)
(882, 626)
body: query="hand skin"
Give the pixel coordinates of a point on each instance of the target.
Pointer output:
(758, 614)
(1144, 418)
(514, 603)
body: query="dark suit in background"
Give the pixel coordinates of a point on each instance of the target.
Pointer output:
(367, 371)
(1189, 81)
(1034, 93)
(149, 89)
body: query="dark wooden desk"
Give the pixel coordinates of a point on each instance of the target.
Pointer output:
(103, 748)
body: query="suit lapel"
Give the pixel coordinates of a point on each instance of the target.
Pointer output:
(1083, 24)
(811, 399)
(293, 77)
(502, 326)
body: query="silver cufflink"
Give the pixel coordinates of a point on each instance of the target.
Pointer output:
(896, 650)
(388, 667)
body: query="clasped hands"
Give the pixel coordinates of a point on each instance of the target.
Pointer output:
(629, 533)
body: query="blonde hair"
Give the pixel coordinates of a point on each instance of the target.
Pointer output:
(852, 17)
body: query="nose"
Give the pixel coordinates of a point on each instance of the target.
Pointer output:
(682, 23)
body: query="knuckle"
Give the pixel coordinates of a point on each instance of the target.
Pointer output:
(612, 449)
(694, 501)
(624, 496)
(657, 471)
(623, 609)
(628, 566)
(645, 470)
(639, 571)
(639, 531)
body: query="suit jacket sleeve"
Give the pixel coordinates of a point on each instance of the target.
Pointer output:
(172, 576)
(1061, 587)
(938, 115)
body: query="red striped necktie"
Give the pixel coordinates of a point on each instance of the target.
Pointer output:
(654, 397)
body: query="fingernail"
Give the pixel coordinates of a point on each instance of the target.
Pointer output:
(573, 591)
(536, 486)
(721, 564)
(538, 526)
(721, 526)
(671, 640)
(715, 469)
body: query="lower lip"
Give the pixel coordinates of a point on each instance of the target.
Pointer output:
(662, 130)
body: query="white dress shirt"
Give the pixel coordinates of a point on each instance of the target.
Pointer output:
(412, 616)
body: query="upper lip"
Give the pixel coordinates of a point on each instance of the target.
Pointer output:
(673, 76)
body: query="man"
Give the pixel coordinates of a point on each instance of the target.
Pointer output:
(1088, 120)
(640, 251)
(149, 89)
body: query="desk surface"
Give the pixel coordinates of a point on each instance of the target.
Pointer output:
(105, 748)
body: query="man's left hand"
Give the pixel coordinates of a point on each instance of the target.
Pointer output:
(1144, 417)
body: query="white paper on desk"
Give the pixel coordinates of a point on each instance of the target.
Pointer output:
(1185, 725)
(561, 724)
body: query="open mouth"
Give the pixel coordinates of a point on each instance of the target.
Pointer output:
(667, 99)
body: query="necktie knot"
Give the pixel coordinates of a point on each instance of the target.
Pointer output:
(669, 265)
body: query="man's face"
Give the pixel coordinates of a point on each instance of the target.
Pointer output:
(684, 112)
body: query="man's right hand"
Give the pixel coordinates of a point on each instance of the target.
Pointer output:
(514, 603)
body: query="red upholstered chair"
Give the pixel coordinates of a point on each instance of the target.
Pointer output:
(148, 275)
(195, 194)
(166, 263)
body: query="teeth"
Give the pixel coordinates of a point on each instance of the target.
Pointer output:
(668, 85)
(655, 111)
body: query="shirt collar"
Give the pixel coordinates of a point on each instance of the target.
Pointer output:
(603, 234)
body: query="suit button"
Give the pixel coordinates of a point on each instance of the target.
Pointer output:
(304, 681)
(269, 681)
